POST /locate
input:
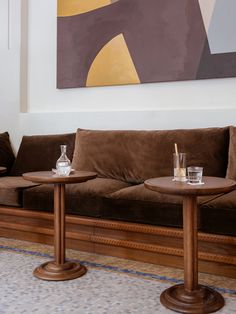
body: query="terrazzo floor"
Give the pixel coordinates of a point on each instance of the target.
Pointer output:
(111, 285)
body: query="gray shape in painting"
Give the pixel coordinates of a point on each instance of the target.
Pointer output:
(221, 33)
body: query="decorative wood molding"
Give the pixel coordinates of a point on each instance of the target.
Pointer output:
(124, 226)
(15, 211)
(139, 239)
(138, 245)
(115, 225)
(28, 228)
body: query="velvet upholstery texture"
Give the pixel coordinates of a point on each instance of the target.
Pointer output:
(219, 215)
(134, 156)
(231, 170)
(141, 205)
(123, 160)
(40, 152)
(11, 189)
(7, 156)
(81, 198)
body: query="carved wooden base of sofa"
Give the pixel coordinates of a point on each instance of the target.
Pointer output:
(55, 272)
(145, 243)
(201, 300)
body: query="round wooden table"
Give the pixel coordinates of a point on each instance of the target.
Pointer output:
(191, 297)
(59, 269)
(3, 169)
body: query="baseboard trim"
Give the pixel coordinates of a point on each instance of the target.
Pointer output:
(158, 245)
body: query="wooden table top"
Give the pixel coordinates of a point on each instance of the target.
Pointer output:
(51, 177)
(212, 185)
(3, 169)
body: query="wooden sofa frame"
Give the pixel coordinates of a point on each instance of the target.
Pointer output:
(146, 243)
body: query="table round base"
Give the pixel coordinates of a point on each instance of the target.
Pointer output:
(55, 272)
(202, 300)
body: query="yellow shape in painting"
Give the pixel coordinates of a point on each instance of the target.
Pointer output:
(74, 7)
(113, 65)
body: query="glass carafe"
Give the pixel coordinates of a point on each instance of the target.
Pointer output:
(63, 164)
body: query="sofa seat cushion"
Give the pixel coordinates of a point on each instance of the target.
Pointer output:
(81, 198)
(141, 205)
(219, 215)
(134, 156)
(11, 189)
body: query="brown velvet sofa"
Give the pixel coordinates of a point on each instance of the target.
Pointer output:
(114, 213)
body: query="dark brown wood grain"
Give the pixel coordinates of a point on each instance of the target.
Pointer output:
(191, 297)
(59, 269)
(211, 186)
(217, 253)
(50, 177)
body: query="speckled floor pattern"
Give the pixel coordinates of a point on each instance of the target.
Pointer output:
(111, 285)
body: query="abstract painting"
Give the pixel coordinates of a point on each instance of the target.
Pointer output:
(114, 42)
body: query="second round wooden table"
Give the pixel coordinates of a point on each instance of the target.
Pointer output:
(191, 297)
(59, 269)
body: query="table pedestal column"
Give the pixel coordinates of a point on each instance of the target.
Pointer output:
(191, 297)
(59, 269)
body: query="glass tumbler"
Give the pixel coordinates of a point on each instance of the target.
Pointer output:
(179, 167)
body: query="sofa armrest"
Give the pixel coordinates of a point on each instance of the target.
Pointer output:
(7, 156)
(3, 171)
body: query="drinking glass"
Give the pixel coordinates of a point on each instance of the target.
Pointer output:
(195, 175)
(179, 167)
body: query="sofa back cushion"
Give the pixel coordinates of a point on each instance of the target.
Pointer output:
(40, 152)
(231, 170)
(135, 156)
(7, 156)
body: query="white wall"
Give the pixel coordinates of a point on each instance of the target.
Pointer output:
(9, 67)
(161, 106)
